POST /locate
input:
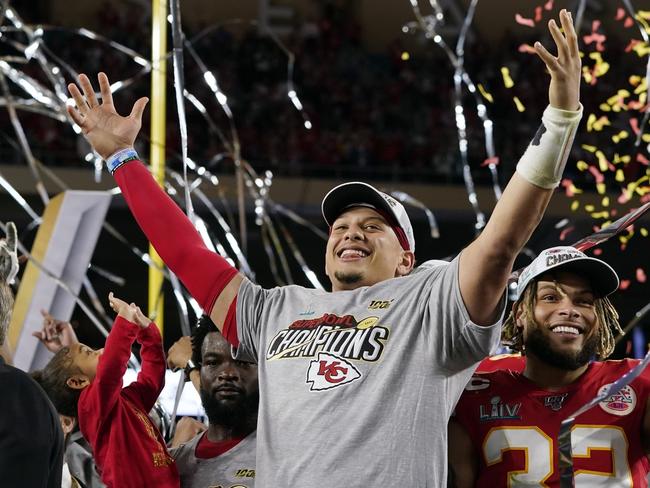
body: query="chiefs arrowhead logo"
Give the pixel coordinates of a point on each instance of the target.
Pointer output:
(329, 371)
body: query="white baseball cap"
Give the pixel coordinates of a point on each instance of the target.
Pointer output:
(601, 275)
(358, 194)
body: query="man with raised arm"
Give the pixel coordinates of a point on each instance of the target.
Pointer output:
(356, 385)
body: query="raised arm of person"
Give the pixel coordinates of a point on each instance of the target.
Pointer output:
(487, 262)
(208, 277)
(151, 377)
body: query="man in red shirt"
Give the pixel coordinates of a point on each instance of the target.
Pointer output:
(506, 424)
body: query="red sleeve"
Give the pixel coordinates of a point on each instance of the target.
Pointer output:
(105, 389)
(151, 377)
(203, 272)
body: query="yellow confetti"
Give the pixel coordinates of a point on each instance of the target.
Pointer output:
(643, 231)
(605, 202)
(602, 161)
(644, 14)
(582, 166)
(620, 177)
(485, 93)
(589, 208)
(620, 136)
(507, 80)
(621, 159)
(588, 148)
(605, 108)
(646, 137)
(520, 106)
(600, 215)
(641, 49)
(642, 87)
(601, 188)
(575, 204)
(635, 80)
(406, 56)
(605, 224)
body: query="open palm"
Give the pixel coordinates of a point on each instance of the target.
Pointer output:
(105, 129)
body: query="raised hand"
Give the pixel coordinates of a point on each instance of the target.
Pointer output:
(180, 353)
(106, 130)
(130, 312)
(565, 68)
(55, 334)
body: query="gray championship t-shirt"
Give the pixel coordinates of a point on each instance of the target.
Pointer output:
(234, 468)
(356, 387)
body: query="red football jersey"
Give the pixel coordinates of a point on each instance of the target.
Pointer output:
(513, 362)
(514, 426)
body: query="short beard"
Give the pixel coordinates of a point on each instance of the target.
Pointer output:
(348, 278)
(239, 416)
(540, 345)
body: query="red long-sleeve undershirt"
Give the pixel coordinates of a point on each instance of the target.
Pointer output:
(203, 272)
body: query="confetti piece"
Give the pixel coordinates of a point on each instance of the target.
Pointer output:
(518, 104)
(635, 80)
(538, 13)
(643, 231)
(621, 159)
(493, 160)
(602, 162)
(620, 13)
(642, 159)
(644, 14)
(620, 177)
(625, 284)
(507, 80)
(628, 23)
(600, 215)
(548, 5)
(588, 148)
(526, 48)
(485, 93)
(601, 188)
(575, 205)
(597, 252)
(605, 202)
(634, 124)
(640, 275)
(589, 208)
(524, 21)
(566, 232)
(582, 166)
(569, 188)
(620, 136)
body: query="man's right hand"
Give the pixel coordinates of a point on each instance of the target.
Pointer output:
(180, 353)
(106, 130)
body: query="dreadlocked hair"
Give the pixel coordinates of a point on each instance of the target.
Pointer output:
(53, 379)
(204, 326)
(6, 305)
(606, 321)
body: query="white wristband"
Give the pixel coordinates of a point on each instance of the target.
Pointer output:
(543, 162)
(120, 157)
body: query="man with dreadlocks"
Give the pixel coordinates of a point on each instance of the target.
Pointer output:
(506, 424)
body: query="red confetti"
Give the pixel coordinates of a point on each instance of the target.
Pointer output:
(526, 48)
(524, 21)
(620, 13)
(548, 5)
(628, 22)
(640, 158)
(645, 198)
(640, 275)
(565, 232)
(624, 284)
(597, 252)
(634, 123)
(494, 160)
(596, 174)
(632, 45)
(568, 187)
(613, 213)
(538, 14)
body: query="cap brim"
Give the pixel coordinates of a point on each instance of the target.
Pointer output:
(347, 195)
(601, 275)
